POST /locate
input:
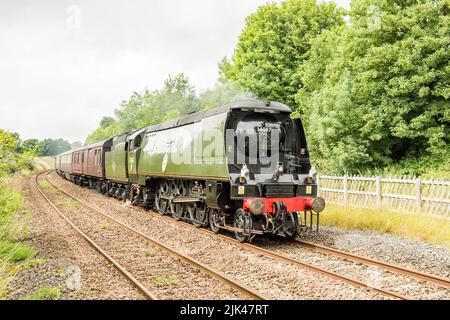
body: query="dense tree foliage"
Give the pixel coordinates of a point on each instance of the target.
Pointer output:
(372, 89)
(47, 147)
(275, 43)
(176, 98)
(376, 92)
(16, 154)
(373, 92)
(11, 156)
(51, 147)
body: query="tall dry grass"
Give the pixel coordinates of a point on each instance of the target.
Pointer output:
(432, 229)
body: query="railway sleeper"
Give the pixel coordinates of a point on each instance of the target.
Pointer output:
(185, 200)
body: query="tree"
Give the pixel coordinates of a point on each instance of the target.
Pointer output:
(106, 122)
(76, 145)
(376, 92)
(51, 147)
(274, 44)
(11, 158)
(31, 145)
(223, 92)
(176, 98)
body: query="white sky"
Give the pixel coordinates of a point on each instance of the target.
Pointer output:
(59, 75)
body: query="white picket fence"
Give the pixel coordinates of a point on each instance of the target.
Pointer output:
(392, 193)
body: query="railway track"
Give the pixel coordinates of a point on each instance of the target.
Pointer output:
(441, 282)
(268, 254)
(421, 276)
(140, 274)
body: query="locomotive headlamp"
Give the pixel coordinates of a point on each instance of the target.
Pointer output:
(245, 173)
(318, 204)
(257, 207)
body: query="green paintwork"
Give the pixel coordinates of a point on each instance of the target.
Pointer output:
(165, 145)
(115, 160)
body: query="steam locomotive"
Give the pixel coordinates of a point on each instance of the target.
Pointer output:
(242, 167)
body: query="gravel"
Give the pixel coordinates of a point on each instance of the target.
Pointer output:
(416, 255)
(162, 274)
(274, 279)
(62, 253)
(372, 275)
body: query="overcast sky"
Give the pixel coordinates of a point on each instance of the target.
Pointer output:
(65, 64)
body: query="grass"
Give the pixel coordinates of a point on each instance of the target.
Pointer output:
(48, 188)
(163, 281)
(100, 227)
(67, 203)
(103, 226)
(45, 293)
(16, 252)
(434, 230)
(31, 263)
(62, 271)
(14, 221)
(81, 293)
(43, 163)
(149, 252)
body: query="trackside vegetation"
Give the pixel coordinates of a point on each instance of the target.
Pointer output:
(372, 84)
(373, 92)
(431, 229)
(13, 216)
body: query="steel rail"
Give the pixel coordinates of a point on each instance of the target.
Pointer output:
(279, 257)
(116, 264)
(442, 282)
(418, 275)
(212, 272)
(261, 251)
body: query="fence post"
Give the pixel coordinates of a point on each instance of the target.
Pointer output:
(418, 192)
(378, 191)
(344, 185)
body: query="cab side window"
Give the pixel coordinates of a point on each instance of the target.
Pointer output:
(137, 142)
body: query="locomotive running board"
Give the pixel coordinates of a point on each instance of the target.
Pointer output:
(233, 229)
(181, 199)
(185, 199)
